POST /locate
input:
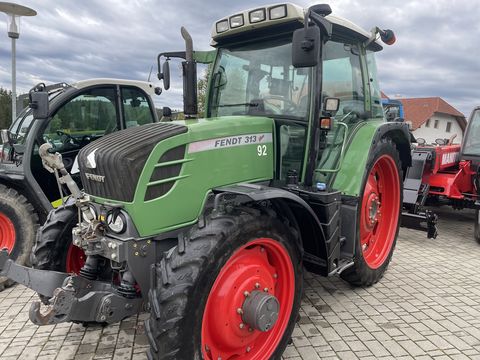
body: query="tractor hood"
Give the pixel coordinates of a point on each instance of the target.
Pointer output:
(111, 166)
(176, 162)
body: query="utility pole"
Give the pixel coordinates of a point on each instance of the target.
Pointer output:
(14, 12)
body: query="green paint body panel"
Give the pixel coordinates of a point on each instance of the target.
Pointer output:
(350, 177)
(201, 171)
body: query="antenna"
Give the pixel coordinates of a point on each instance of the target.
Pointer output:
(150, 74)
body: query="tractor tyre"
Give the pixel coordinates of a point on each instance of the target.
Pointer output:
(216, 294)
(18, 225)
(476, 231)
(378, 217)
(53, 248)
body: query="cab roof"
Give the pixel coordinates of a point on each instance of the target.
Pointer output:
(293, 13)
(146, 86)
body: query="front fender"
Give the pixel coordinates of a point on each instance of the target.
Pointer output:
(319, 256)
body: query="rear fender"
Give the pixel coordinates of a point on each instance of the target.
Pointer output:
(401, 136)
(18, 183)
(350, 178)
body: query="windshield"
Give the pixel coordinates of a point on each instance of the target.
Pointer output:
(19, 129)
(259, 79)
(472, 142)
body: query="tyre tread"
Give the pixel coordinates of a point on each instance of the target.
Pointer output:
(169, 300)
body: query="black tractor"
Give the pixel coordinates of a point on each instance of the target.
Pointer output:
(74, 116)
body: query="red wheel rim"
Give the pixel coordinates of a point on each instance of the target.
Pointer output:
(262, 264)
(380, 211)
(7, 233)
(75, 259)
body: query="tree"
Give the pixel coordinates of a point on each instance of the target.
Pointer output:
(5, 108)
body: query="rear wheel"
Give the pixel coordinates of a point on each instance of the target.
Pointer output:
(53, 248)
(232, 290)
(18, 224)
(378, 217)
(476, 231)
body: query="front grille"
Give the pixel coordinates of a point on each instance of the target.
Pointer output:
(165, 173)
(120, 158)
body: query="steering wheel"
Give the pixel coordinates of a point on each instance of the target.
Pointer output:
(291, 106)
(67, 138)
(86, 139)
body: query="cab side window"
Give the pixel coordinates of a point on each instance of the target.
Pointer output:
(342, 76)
(83, 119)
(136, 108)
(375, 93)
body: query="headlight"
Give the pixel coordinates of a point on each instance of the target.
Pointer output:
(236, 21)
(222, 26)
(278, 12)
(91, 210)
(117, 225)
(257, 15)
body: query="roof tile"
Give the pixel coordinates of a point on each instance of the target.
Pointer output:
(419, 110)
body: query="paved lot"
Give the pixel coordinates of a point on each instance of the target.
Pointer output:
(427, 306)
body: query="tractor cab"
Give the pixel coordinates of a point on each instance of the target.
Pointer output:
(471, 141)
(70, 117)
(317, 97)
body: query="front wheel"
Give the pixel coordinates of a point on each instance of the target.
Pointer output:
(53, 248)
(378, 218)
(231, 290)
(18, 224)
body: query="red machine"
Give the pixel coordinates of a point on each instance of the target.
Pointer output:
(445, 174)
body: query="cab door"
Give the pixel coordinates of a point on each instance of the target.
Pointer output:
(137, 107)
(87, 116)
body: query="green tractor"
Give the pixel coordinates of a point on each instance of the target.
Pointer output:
(208, 223)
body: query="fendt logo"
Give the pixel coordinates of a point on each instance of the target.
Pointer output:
(97, 178)
(91, 163)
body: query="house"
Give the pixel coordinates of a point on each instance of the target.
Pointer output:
(433, 118)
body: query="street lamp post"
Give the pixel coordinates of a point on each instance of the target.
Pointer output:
(14, 12)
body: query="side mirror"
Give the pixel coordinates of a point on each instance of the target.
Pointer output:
(305, 46)
(5, 136)
(165, 75)
(166, 111)
(39, 104)
(331, 104)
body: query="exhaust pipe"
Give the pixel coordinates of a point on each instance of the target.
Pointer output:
(189, 68)
(188, 44)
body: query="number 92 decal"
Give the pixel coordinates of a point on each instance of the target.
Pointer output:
(262, 150)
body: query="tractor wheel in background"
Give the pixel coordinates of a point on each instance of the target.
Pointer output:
(53, 248)
(18, 225)
(476, 231)
(231, 289)
(380, 207)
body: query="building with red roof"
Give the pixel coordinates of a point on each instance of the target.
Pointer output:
(433, 118)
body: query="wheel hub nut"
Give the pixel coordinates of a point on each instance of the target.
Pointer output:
(260, 310)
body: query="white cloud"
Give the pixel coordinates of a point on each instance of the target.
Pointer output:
(436, 53)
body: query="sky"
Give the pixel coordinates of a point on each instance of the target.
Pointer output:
(437, 52)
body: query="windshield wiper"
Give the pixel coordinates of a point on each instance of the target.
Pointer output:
(240, 104)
